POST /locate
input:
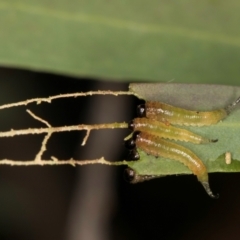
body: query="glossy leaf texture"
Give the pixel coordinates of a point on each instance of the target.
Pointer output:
(199, 97)
(186, 41)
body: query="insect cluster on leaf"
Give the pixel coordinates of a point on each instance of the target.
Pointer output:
(154, 133)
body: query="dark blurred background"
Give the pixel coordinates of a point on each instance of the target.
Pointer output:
(94, 202)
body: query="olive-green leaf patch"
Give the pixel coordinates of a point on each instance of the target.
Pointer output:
(193, 41)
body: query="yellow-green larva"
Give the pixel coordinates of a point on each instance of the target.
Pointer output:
(166, 131)
(174, 115)
(156, 146)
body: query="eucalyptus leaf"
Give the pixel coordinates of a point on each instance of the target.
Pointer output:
(197, 97)
(189, 41)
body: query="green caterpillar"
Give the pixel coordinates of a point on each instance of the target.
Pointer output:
(158, 147)
(179, 116)
(167, 131)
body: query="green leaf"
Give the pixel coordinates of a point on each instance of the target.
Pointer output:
(189, 41)
(149, 165)
(198, 97)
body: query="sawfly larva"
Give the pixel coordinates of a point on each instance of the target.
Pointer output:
(158, 147)
(174, 115)
(162, 130)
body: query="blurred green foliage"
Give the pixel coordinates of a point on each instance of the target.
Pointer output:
(184, 41)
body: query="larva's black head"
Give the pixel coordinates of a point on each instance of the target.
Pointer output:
(130, 143)
(131, 125)
(141, 110)
(135, 135)
(129, 175)
(134, 155)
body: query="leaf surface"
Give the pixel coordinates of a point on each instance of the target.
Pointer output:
(189, 41)
(199, 97)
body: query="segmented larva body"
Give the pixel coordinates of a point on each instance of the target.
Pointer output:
(156, 146)
(159, 147)
(179, 116)
(162, 130)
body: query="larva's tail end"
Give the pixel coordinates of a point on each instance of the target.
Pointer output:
(214, 140)
(236, 102)
(209, 191)
(230, 108)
